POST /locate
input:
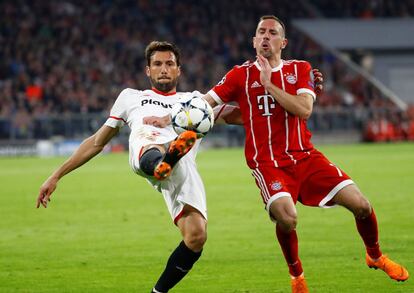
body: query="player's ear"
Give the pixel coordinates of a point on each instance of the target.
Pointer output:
(179, 71)
(147, 71)
(254, 42)
(284, 43)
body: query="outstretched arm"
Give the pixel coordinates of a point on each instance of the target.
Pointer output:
(89, 148)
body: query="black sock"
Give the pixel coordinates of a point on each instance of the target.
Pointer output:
(178, 265)
(149, 160)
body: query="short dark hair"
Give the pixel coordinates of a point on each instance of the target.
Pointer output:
(158, 46)
(274, 18)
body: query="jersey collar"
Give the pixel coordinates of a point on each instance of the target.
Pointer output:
(274, 69)
(162, 93)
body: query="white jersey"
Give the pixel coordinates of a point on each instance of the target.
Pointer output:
(130, 108)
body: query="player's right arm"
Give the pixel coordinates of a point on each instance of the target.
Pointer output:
(88, 149)
(230, 114)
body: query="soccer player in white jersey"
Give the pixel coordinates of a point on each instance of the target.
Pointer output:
(153, 152)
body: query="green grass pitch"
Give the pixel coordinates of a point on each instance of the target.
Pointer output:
(107, 230)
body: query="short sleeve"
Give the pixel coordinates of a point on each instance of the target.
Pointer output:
(118, 115)
(227, 90)
(306, 81)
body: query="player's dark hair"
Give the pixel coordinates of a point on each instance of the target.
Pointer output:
(274, 18)
(157, 46)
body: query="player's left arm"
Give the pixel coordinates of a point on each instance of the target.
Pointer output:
(227, 114)
(318, 81)
(300, 105)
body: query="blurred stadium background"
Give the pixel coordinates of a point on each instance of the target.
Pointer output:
(63, 63)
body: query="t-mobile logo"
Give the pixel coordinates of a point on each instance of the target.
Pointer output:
(266, 102)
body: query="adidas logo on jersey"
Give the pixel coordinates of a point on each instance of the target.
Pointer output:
(255, 85)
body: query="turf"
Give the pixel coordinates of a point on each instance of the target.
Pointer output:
(107, 230)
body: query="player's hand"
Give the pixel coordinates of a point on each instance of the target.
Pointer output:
(157, 121)
(265, 70)
(318, 81)
(46, 191)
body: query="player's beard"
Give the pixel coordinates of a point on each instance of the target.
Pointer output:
(266, 53)
(164, 87)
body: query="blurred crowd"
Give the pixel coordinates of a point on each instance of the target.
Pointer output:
(63, 57)
(390, 126)
(366, 9)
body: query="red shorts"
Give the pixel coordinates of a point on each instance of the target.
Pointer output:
(313, 181)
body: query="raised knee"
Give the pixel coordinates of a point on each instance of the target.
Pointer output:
(196, 240)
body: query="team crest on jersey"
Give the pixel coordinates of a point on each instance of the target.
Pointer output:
(291, 78)
(276, 186)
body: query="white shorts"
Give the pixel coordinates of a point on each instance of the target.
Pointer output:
(183, 186)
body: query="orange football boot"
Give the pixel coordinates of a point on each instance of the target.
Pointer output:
(178, 148)
(299, 284)
(392, 269)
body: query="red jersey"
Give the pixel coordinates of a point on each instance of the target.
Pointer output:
(274, 137)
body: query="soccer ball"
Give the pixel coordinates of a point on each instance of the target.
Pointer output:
(192, 113)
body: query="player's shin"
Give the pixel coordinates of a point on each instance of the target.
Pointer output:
(289, 243)
(179, 264)
(368, 229)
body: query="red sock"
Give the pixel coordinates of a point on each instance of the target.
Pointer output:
(289, 244)
(368, 229)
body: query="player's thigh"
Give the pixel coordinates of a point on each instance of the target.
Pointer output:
(321, 180)
(138, 145)
(275, 183)
(352, 198)
(192, 222)
(193, 227)
(279, 191)
(183, 187)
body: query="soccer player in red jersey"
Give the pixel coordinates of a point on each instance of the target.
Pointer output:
(275, 99)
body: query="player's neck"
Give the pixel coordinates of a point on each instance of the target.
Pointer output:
(275, 61)
(164, 93)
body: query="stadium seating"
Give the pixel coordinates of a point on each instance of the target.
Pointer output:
(67, 61)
